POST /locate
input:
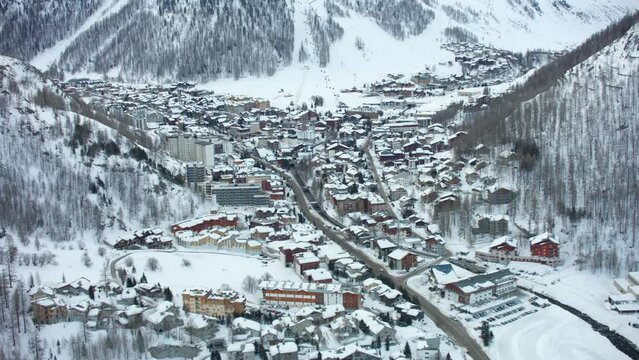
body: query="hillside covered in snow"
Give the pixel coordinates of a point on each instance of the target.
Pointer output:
(206, 40)
(576, 144)
(69, 171)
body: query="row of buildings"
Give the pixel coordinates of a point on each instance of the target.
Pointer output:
(543, 249)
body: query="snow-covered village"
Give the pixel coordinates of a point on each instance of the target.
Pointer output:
(341, 202)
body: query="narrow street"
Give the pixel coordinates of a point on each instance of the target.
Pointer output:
(452, 328)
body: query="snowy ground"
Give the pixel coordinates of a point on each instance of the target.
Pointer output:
(208, 270)
(550, 334)
(583, 290)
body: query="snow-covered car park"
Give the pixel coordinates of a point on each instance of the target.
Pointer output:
(498, 312)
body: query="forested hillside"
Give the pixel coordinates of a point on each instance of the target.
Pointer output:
(577, 142)
(211, 39)
(67, 173)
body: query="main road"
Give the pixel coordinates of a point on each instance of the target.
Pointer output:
(452, 328)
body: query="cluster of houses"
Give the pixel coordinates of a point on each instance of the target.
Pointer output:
(328, 314)
(542, 249)
(99, 306)
(481, 66)
(141, 239)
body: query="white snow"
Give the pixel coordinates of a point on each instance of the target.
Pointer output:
(208, 270)
(551, 334)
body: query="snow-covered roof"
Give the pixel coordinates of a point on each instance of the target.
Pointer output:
(244, 323)
(300, 286)
(283, 348)
(543, 237)
(398, 254)
(446, 273)
(504, 240)
(385, 244)
(375, 325)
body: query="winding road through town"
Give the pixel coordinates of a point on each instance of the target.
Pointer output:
(451, 327)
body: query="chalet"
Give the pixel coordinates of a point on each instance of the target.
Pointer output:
(269, 336)
(350, 352)
(72, 288)
(435, 244)
(305, 261)
(49, 310)
(375, 327)
(239, 351)
(79, 311)
(500, 195)
(397, 227)
(505, 157)
(396, 191)
(41, 292)
(284, 351)
(425, 348)
(345, 328)
(350, 268)
(287, 252)
(358, 234)
(306, 116)
(244, 328)
(544, 245)
(153, 291)
(401, 260)
(504, 245)
(429, 195)
(130, 318)
(408, 312)
(383, 247)
(163, 318)
(318, 276)
(457, 138)
(446, 203)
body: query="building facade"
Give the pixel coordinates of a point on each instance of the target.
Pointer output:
(218, 304)
(240, 195)
(288, 293)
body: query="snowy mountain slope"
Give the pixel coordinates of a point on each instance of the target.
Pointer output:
(204, 40)
(579, 140)
(64, 175)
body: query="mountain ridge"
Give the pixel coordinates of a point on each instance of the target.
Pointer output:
(205, 40)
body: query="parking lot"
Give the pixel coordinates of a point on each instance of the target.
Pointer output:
(499, 312)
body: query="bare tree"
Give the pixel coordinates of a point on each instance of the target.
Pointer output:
(249, 284)
(152, 264)
(86, 260)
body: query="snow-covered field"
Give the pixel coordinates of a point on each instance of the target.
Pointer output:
(551, 334)
(548, 334)
(208, 270)
(583, 290)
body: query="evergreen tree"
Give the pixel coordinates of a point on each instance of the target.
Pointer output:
(143, 279)
(486, 334)
(168, 295)
(92, 292)
(215, 355)
(407, 353)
